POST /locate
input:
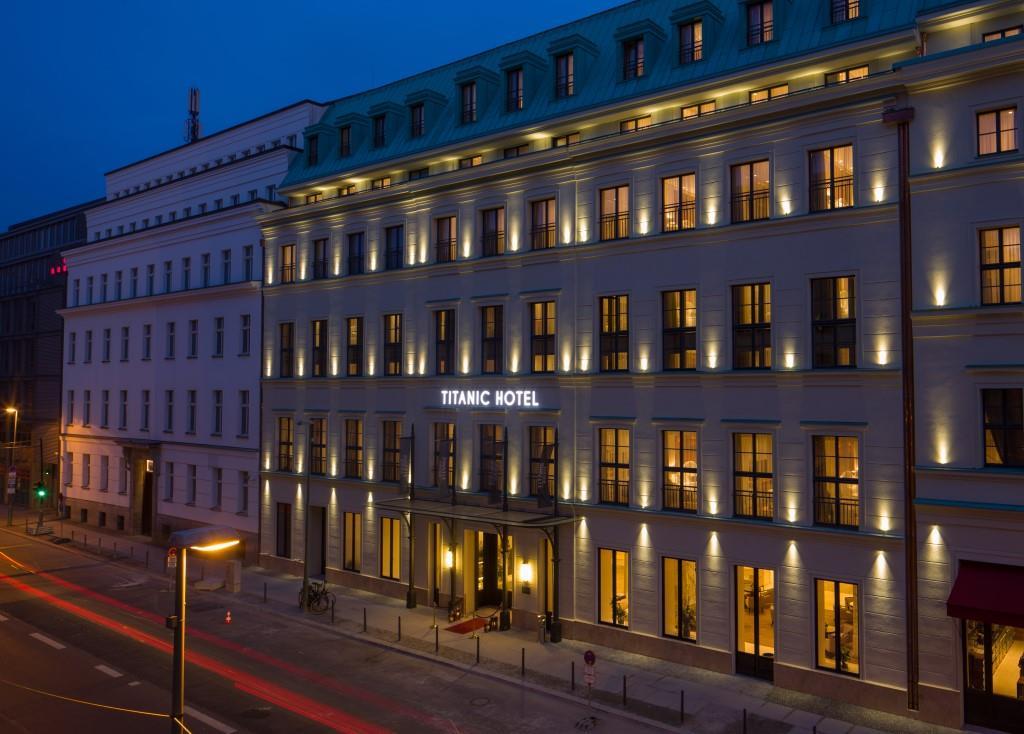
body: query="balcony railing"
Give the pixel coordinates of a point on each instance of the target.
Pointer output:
(679, 498)
(468, 113)
(750, 206)
(493, 243)
(679, 216)
(318, 462)
(446, 250)
(320, 268)
(355, 265)
(615, 226)
(691, 52)
(614, 492)
(832, 194)
(844, 10)
(632, 68)
(389, 468)
(542, 236)
(760, 505)
(287, 273)
(284, 460)
(759, 33)
(837, 511)
(353, 468)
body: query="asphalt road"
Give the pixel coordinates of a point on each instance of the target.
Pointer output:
(86, 628)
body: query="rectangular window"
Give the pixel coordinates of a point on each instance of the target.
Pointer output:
(565, 75)
(691, 42)
(1003, 411)
(842, 76)
(543, 461)
(125, 333)
(287, 263)
(190, 421)
(417, 124)
(752, 326)
(634, 124)
(997, 131)
(470, 161)
(379, 131)
(168, 410)
(118, 293)
(318, 337)
(751, 188)
(245, 327)
(391, 548)
(566, 141)
(86, 470)
(444, 342)
(318, 446)
(147, 341)
(312, 150)
(493, 231)
(218, 412)
(225, 266)
(122, 413)
(679, 599)
(285, 443)
(492, 340)
(320, 256)
(106, 345)
(186, 273)
(542, 224)
(243, 492)
(193, 339)
(218, 488)
(69, 417)
(838, 626)
(286, 349)
(72, 338)
(418, 173)
(144, 415)
(218, 336)
(391, 451)
(352, 536)
(760, 28)
(344, 141)
(614, 466)
(679, 202)
(394, 247)
(445, 239)
(844, 10)
(248, 257)
(753, 476)
(354, 346)
(613, 587)
(1002, 33)
(206, 269)
(134, 286)
(468, 95)
(679, 470)
(243, 413)
(614, 213)
(168, 481)
(444, 455)
(88, 346)
(87, 408)
(836, 481)
(355, 253)
(633, 58)
(104, 408)
(353, 448)
(757, 96)
(679, 329)
(150, 280)
(1000, 265)
(392, 357)
(513, 90)
(614, 345)
(492, 458)
(834, 322)
(283, 547)
(831, 178)
(542, 337)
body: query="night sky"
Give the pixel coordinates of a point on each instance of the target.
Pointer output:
(91, 86)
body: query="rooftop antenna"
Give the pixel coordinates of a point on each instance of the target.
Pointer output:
(192, 122)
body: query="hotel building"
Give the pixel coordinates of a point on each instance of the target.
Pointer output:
(161, 375)
(609, 324)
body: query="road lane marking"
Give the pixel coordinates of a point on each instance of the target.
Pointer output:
(47, 641)
(212, 723)
(108, 670)
(134, 683)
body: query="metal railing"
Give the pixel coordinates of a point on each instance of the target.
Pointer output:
(750, 206)
(288, 273)
(838, 511)
(691, 52)
(353, 468)
(844, 10)
(614, 492)
(542, 236)
(675, 217)
(320, 268)
(749, 503)
(759, 33)
(680, 498)
(615, 226)
(632, 68)
(834, 193)
(446, 250)
(493, 243)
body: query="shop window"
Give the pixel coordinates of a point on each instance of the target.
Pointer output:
(838, 626)
(391, 548)
(613, 588)
(679, 598)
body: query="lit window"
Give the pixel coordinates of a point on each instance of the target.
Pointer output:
(633, 58)
(514, 90)
(445, 240)
(614, 213)
(392, 354)
(838, 626)
(1002, 33)
(470, 161)
(691, 42)
(354, 346)
(614, 466)
(760, 28)
(637, 123)
(285, 444)
(491, 340)
(751, 186)
(679, 203)
(353, 448)
(679, 329)
(844, 10)
(543, 459)
(752, 326)
(391, 548)
(564, 141)
(542, 336)
(384, 182)
(997, 131)
(542, 224)
(286, 349)
(1000, 265)
(831, 178)
(834, 322)
(836, 481)
(492, 231)
(318, 336)
(565, 76)
(287, 263)
(613, 606)
(391, 452)
(753, 476)
(679, 470)
(614, 329)
(318, 446)
(763, 95)
(444, 342)
(842, 76)
(352, 535)
(698, 110)
(679, 599)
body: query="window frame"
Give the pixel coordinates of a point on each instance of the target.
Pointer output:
(684, 334)
(834, 325)
(999, 267)
(542, 342)
(633, 58)
(826, 190)
(749, 204)
(444, 342)
(837, 587)
(391, 552)
(492, 347)
(617, 491)
(998, 132)
(680, 576)
(613, 347)
(757, 496)
(353, 468)
(613, 557)
(446, 238)
(615, 225)
(832, 511)
(681, 496)
(760, 349)
(391, 345)
(692, 52)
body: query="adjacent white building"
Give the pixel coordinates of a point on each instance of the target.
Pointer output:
(162, 334)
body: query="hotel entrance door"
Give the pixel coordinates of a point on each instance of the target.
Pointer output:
(755, 621)
(488, 568)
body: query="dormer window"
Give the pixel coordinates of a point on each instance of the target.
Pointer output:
(691, 42)
(417, 123)
(565, 81)
(514, 90)
(384, 182)
(312, 150)
(633, 58)
(635, 124)
(471, 162)
(379, 134)
(1002, 33)
(760, 26)
(846, 75)
(698, 110)
(468, 94)
(344, 141)
(844, 10)
(763, 95)
(314, 197)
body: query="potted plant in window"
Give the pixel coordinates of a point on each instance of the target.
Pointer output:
(689, 620)
(619, 612)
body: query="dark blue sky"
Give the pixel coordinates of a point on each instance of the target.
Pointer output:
(90, 86)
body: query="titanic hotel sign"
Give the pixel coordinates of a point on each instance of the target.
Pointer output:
(489, 398)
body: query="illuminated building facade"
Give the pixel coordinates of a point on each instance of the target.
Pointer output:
(606, 324)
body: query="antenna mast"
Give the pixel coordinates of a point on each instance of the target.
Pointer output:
(192, 121)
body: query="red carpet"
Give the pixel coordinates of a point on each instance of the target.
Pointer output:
(467, 625)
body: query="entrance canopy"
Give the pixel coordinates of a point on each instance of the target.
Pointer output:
(988, 592)
(475, 513)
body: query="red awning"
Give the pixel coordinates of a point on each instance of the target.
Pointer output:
(988, 592)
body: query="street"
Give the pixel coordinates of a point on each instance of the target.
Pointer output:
(80, 627)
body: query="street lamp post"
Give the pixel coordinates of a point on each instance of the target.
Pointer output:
(203, 540)
(10, 465)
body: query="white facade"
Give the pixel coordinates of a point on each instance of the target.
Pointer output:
(161, 381)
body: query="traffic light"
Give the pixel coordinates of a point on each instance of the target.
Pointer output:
(41, 491)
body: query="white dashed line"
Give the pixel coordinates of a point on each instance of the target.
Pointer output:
(47, 641)
(109, 671)
(212, 723)
(134, 683)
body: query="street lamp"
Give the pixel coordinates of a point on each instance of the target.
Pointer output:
(202, 540)
(10, 410)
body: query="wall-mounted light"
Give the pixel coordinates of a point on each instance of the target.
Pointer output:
(526, 575)
(449, 558)
(790, 360)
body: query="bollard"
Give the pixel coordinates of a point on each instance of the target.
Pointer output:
(572, 676)
(478, 648)
(624, 702)
(399, 627)
(364, 619)
(682, 705)
(437, 640)
(522, 665)
(332, 611)
(744, 721)
(264, 592)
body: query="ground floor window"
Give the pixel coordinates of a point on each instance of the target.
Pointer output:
(613, 588)
(284, 530)
(755, 621)
(679, 598)
(390, 547)
(838, 628)
(352, 537)
(995, 659)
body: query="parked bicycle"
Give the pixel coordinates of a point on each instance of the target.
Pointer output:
(320, 599)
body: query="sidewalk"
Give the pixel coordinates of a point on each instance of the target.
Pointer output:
(653, 688)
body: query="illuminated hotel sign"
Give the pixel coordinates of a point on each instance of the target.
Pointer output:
(490, 398)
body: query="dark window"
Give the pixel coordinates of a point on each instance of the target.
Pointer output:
(417, 124)
(354, 346)
(468, 94)
(444, 342)
(394, 244)
(614, 466)
(1000, 265)
(614, 213)
(344, 141)
(844, 10)
(491, 340)
(516, 150)
(285, 444)
(391, 450)
(493, 231)
(318, 332)
(286, 349)
(379, 131)
(565, 75)
(352, 535)
(691, 42)
(760, 28)
(834, 322)
(565, 141)
(836, 481)
(614, 333)
(633, 58)
(679, 202)
(753, 476)
(320, 258)
(997, 131)
(470, 161)
(514, 90)
(542, 336)
(355, 253)
(312, 150)
(392, 344)
(287, 263)
(444, 455)
(752, 326)
(445, 239)
(679, 330)
(831, 178)
(750, 192)
(543, 460)
(542, 226)
(318, 446)
(1004, 426)
(842, 76)
(284, 530)
(353, 448)
(492, 458)
(679, 470)
(419, 173)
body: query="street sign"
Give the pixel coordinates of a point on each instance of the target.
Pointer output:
(589, 658)
(172, 558)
